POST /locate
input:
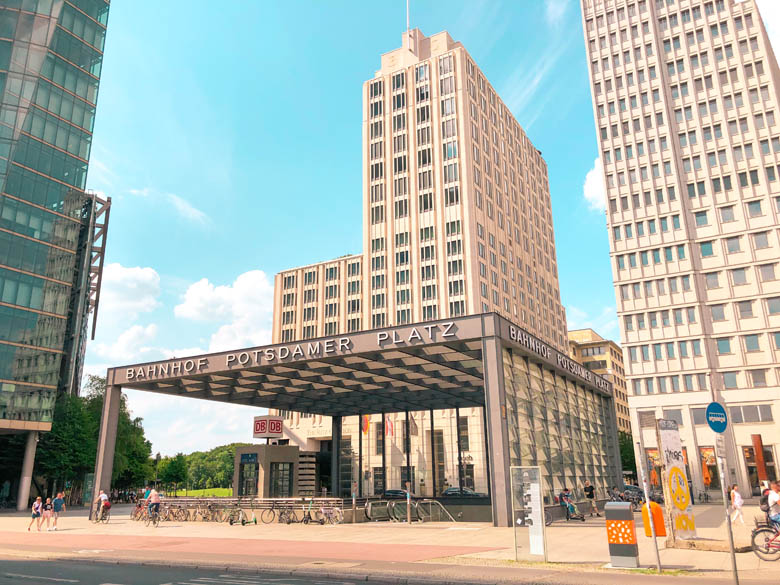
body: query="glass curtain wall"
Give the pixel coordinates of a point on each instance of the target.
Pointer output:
(50, 60)
(561, 426)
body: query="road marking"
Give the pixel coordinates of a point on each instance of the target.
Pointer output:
(42, 578)
(93, 551)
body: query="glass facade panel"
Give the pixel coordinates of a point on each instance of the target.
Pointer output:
(49, 75)
(561, 426)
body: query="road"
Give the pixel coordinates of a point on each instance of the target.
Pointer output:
(26, 572)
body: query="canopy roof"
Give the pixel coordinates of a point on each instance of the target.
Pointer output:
(431, 365)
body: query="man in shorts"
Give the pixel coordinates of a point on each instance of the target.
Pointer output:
(591, 496)
(59, 507)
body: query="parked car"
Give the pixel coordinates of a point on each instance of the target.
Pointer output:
(394, 494)
(465, 493)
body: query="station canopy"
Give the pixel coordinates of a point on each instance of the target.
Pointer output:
(432, 365)
(425, 366)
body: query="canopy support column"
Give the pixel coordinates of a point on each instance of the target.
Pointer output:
(335, 460)
(498, 434)
(104, 460)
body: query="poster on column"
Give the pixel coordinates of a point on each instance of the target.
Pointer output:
(677, 493)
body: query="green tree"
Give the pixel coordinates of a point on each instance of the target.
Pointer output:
(67, 452)
(175, 471)
(627, 456)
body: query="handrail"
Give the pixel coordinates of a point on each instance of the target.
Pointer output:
(432, 504)
(383, 506)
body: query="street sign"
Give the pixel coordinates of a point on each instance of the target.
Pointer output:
(716, 417)
(268, 427)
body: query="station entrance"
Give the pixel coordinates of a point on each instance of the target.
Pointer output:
(536, 406)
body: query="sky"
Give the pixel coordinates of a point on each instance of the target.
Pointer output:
(229, 142)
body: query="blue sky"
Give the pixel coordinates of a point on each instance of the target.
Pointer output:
(229, 141)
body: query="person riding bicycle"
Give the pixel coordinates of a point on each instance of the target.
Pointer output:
(773, 499)
(153, 501)
(101, 503)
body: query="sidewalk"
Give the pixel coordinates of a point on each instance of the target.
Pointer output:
(439, 551)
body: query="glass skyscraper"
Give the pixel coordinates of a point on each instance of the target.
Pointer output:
(52, 233)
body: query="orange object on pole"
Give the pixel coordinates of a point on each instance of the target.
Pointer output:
(654, 477)
(658, 520)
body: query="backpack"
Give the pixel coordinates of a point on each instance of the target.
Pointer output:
(763, 503)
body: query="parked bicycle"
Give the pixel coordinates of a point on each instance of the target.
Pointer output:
(331, 515)
(269, 514)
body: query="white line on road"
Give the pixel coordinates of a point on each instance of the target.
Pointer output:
(41, 578)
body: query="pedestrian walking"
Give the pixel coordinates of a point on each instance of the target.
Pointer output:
(736, 504)
(590, 493)
(36, 513)
(59, 507)
(47, 511)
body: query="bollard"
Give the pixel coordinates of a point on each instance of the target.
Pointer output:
(621, 535)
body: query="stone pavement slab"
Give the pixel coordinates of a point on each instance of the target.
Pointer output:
(440, 549)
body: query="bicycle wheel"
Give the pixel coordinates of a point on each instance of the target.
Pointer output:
(547, 518)
(147, 520)
(338, 516)
(766, 544)
(106, 516)
(267, 516)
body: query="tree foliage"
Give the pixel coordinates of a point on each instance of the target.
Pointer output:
(627, 456)
(67, 452)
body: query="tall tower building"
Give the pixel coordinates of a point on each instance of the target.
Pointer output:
(457, 221)
(685, 98)
(52, 233)
(457, 217)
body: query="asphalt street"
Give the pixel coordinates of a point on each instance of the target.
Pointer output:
(31, 572)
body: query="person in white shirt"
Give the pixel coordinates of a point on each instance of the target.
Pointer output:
(774, 502)
(736, 504)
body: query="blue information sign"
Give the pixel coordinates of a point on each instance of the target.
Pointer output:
(716, 417)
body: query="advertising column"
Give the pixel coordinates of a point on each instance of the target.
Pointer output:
(677, 494)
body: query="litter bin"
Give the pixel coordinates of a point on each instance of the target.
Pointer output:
(621, 535)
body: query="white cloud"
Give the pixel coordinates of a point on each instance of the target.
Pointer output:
(247, 305)
(593, 189)
(130, 346)
(554, 11)
(184, 208)
(605, 323)
(126, 292)
(525, 81)
(174, 424)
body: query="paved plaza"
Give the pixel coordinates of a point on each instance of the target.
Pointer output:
(434, 549)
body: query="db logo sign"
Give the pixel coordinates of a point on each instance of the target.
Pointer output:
(267, 426)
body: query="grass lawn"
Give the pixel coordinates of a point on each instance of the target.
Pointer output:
(206, 493)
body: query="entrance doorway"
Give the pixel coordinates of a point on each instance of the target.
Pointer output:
(281, 480)
(247, 475)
